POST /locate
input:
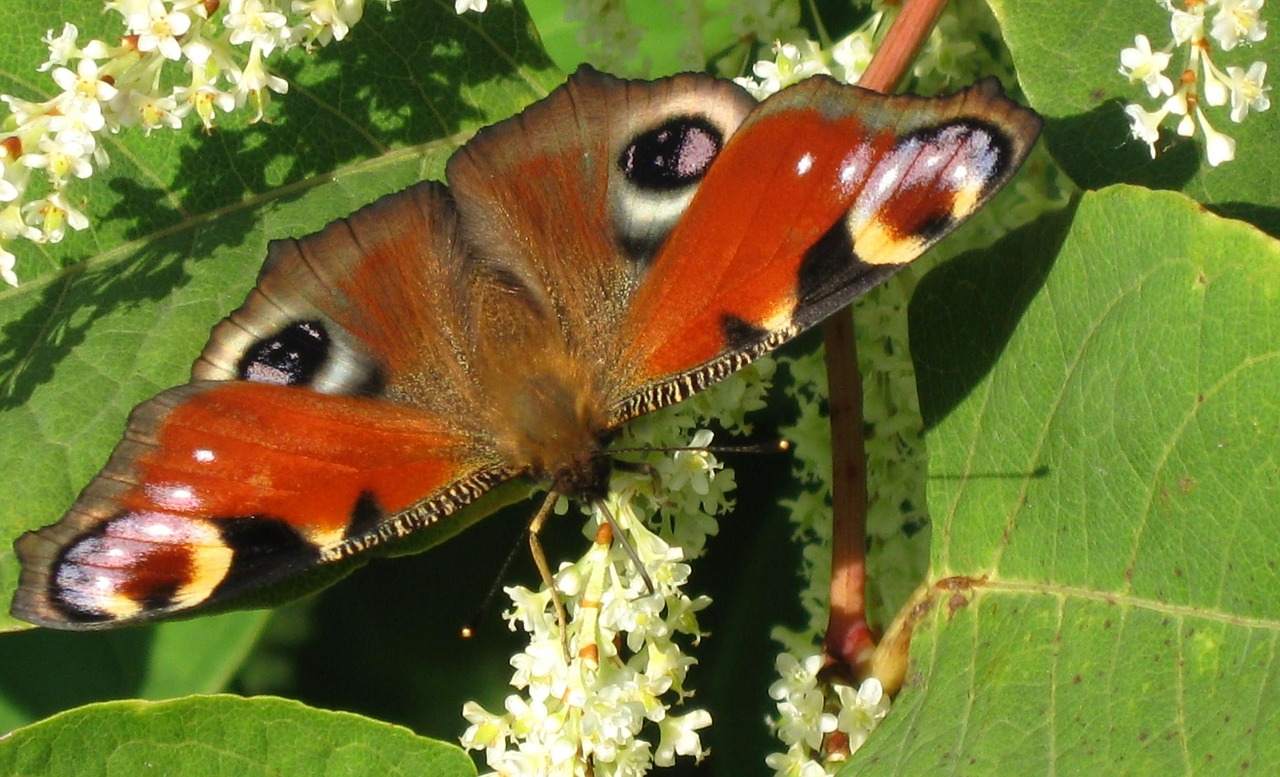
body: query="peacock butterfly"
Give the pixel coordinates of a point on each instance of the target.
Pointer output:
(613, 249)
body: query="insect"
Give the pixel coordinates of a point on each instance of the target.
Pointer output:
(611, 250)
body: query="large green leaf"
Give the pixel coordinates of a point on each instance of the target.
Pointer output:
(1104, 482)
(222, 735)
(1068, 55)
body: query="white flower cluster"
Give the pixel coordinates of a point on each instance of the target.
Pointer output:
(220, 46)
(820, 735)
(1229, 23)
(794, 62)
(595, 711)
(587, 713)
(949, 57)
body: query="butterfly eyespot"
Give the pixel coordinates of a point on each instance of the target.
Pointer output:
(293, 356)
(135, 562)
(672, 155)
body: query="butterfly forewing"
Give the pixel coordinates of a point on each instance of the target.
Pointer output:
(825, 191)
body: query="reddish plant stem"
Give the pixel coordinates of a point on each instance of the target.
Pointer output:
(850, 641)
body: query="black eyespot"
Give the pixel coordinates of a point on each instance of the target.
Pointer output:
(672, 155)
(292, 356)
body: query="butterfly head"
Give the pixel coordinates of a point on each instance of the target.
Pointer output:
(586, 478)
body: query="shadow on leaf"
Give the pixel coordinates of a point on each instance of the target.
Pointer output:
(964, 312)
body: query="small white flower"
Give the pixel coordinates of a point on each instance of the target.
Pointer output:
(1214, 87)
(795, 675)
(7, 262)
(680, 737)
(1237, 21)
(158, 29)
(328, 19)
(151, 111)
(249, 21)
(254, 82)
(487, 732)
(798, 761)
(790, 65)
(1248, 91)
(852, 54)
(52, 215)
(1140, 63)
(1218, 147)
(861, 711)
(1186, 26)
(13, 225)
(204, 99)
(58, 159)
(62, 48)
(691, 467)
(462, 6)
(802, 717)
(85, 83)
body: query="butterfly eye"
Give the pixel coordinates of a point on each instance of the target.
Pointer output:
(672, 155)
(293, 356)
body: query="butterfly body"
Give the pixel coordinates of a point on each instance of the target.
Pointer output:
(614, 249)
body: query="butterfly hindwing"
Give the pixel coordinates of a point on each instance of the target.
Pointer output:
(331, 412)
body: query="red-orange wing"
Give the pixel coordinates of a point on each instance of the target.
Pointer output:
(219, 487)
(823, 192)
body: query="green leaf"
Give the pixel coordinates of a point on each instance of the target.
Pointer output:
(1103, 480)
(182, 219)
(1068, 58)
(219, 735)
(43, 671)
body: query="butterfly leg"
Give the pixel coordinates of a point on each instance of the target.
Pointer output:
(544, 569)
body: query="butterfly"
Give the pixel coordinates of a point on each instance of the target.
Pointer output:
(611, 250)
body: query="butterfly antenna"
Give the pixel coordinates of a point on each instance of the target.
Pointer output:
(777, 446)
(626, 546)
(469, 627)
